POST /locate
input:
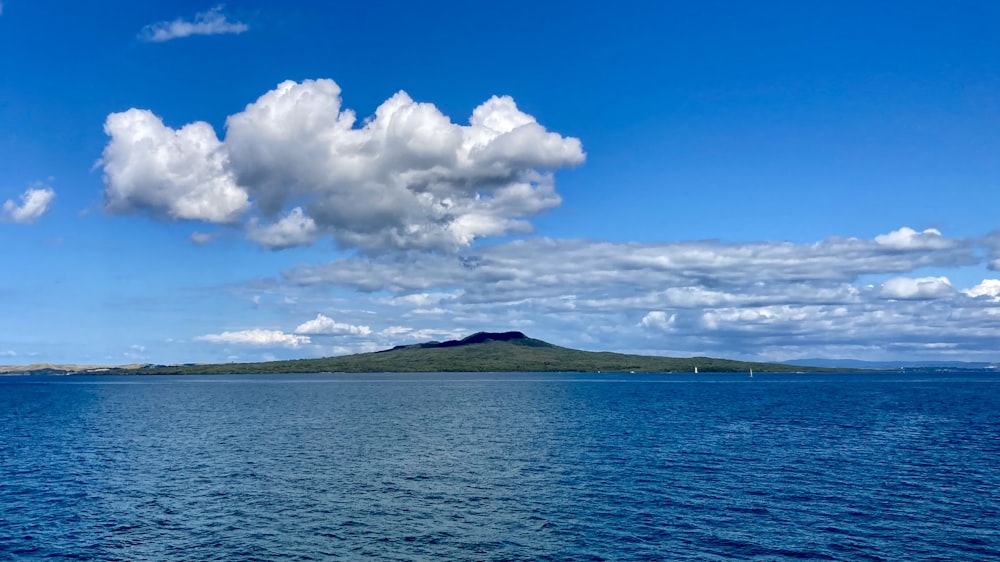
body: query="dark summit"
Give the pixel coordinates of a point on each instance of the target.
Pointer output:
(478, 337)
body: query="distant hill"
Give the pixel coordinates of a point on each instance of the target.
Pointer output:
(52, 369)
(893, 365)
(480, 352)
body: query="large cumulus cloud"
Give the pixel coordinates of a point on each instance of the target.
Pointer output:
(295, 166)
(167, 173)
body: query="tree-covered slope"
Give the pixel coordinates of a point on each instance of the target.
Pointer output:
(481, 352)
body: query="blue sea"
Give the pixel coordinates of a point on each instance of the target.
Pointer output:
(501, 466)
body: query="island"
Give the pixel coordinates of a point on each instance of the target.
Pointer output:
(480, 352)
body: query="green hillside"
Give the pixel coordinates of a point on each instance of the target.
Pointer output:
(481, 352)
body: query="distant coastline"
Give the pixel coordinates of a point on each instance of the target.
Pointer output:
(497, 352)
(480, 352)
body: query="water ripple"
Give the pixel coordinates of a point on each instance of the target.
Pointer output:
(500, 467)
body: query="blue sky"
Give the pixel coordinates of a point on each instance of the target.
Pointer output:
(188, 181)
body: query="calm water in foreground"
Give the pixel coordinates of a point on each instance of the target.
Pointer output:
(501, 467)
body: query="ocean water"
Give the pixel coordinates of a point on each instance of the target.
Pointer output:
(501, 467)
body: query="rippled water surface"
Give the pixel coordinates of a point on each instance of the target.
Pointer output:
(501, 467)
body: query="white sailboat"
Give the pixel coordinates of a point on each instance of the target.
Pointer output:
(751, 372)
(696, 370)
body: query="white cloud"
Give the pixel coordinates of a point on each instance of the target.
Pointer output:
(201, 238)
(874, 329)
(659, 320)
(434, 310)
(917, 288)
(696, 273)
(423, 300)
(393, 331)
(908, 239)
(407, 178)
(167, 173)
(295, 229)
(766, 301)
(35, 202)
(989, 288)
(751, 318)
(211, 22)
(324, 325)
(396, 333)
(257, 337)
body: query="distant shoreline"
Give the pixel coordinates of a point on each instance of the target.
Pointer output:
(486, 352)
